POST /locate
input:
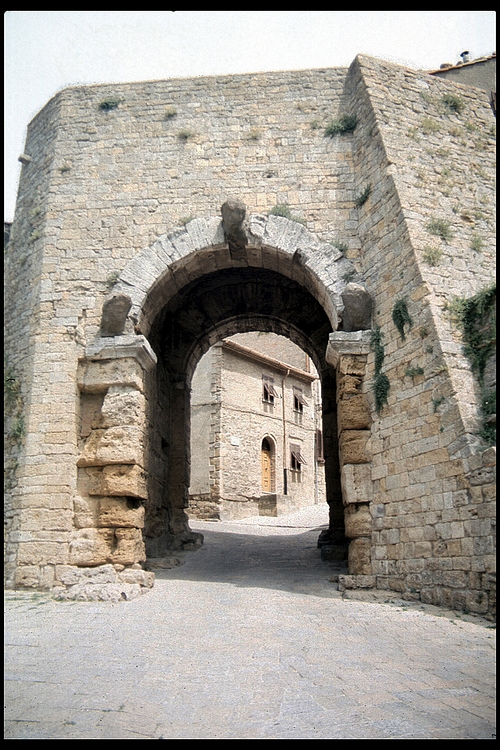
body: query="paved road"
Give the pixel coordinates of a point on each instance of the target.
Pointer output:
(248, 639)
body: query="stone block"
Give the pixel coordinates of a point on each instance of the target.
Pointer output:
(129, 548)
(98, 376)
(352, 365)
(108, 592)
(140, 577)
(116, 445)
(359, 556)
(357, 582)
(70, 575)
(120, 512)
(42, 553)
(353, 447)
(353, 413)
(85, 512)
(91, 547)
(358, 520)
(357, 313)
(27, 576)
(118, 481)
(357, 486)
(122, 406)
(347, 385)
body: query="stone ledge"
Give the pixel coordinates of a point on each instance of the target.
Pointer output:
(357, 582)
(102, 583)
(342, 343)
(117, 347)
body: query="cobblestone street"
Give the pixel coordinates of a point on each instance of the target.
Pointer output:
(249, 639)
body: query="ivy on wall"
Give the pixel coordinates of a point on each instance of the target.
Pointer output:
(381, 384)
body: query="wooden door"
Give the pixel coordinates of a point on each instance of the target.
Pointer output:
(266, 471)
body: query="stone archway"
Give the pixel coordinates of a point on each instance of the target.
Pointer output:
(192, 288)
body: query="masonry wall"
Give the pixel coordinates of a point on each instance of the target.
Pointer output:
(114, 167)
(433, 524)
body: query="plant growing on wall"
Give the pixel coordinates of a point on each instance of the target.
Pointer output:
(440, 228)
(283, 209)
(363, 197)
(381, 385)
(401, 317)
(476, 317)
(431, 255)
(108, 104)
(453, 102)
(345, 124)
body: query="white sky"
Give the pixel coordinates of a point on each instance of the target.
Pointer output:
(48, 50)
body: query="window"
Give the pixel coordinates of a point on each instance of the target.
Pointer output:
(296, 458)
(269, 392)
(298, 400)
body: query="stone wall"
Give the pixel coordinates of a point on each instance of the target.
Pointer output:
(402, 204)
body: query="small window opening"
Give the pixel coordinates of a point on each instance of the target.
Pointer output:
(269, 392)
(296, 458)
(298, 400)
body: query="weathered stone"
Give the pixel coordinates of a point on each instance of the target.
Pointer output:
(357, 308)
(118, 481)
(114, 315)
(353, 447)
(354, 414)
(356, 582)
(85, 512)
(70, 575)
(356, 483)
(233, 215)
(358, 520)
(116, 445)
(359, 557)
(141, 577)
(92, 547)
(108, 592)
(130, 547)
(120, 512)
(122, 406)
(97, 376)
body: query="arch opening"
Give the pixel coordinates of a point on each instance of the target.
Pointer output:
(203, 314)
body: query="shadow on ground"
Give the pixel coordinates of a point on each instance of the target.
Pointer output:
(289, 562)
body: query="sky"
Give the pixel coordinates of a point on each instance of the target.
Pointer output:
(46, 51)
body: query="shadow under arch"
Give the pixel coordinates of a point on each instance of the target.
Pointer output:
(187, 295)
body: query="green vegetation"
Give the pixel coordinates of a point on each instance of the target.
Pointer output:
(412, 372)
(363, 197)
(401, 317)
(476, 317)
(440, 228)
(254, 134)
(170, 113)
(476, 243)
(345, 124)
(283, 209)
(108, 104)
(431, 255)
(35, 235)
(436, 402)
(184, 135)
(381, 384)
(429, 126)
(453, 102)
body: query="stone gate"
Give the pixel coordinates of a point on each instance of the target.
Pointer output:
(360, 210)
